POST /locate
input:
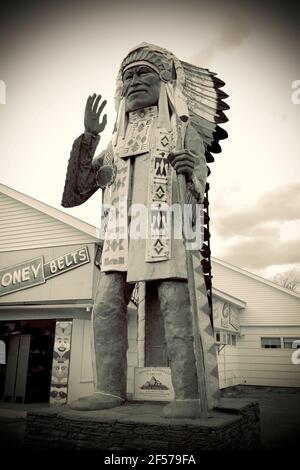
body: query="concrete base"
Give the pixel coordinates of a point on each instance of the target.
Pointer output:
(233, 425)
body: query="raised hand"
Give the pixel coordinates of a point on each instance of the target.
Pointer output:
(92, 114)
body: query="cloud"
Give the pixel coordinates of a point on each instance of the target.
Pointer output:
(279, 205)
(252, 236)
(234, 30)
(259, 253)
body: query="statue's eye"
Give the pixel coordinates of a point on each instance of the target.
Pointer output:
(128, 77)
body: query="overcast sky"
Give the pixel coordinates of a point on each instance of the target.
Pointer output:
(54, 55)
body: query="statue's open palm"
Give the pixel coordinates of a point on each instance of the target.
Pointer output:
(92, 114)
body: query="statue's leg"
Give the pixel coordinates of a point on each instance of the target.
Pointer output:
(109, 329)
(176, 310)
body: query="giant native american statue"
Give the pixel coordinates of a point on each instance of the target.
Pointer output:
(166, 128)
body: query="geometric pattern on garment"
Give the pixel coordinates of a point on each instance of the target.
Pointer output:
(158, 244)
(138, 133)
(142, 136)
(136, 142)
(115, 247)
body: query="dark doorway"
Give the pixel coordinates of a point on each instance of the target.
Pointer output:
(26, 374)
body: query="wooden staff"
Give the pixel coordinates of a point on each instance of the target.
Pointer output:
(198, 346)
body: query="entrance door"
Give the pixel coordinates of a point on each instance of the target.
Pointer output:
(16, 370)
(40, 362)
(29, 360)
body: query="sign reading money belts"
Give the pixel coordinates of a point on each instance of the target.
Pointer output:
(35, 271)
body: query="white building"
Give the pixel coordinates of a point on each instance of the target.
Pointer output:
(47, 284)
(48, 278)
(269, 322)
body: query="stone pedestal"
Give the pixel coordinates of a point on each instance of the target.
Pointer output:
(233, 425)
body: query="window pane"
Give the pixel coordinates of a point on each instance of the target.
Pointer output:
(218, 337)
(270, 342)
(233, 340)
(288, 343)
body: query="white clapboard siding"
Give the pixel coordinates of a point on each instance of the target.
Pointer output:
(267, 304)
(132, 352)
(81, 371)
(269, 374)
(228, 365)
(269, 367)
(259, 361)
(249, 363)
(23, 227)
(270, 382)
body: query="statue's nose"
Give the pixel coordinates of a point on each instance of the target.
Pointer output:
(135, 79)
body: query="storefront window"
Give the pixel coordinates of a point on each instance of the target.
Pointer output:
(225, 338)
(271, 343)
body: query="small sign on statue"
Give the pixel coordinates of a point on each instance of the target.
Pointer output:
(153, 383)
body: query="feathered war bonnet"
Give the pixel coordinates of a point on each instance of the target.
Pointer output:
(193, 94)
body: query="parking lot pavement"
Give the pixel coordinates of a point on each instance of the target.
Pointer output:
(280, 420)
(279, 414)
(13, 424)
(12, 431)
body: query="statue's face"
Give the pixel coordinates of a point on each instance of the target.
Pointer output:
(141, 87)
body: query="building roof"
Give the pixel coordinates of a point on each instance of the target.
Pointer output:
(45, 209)
(229, 298)
(255, 276)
